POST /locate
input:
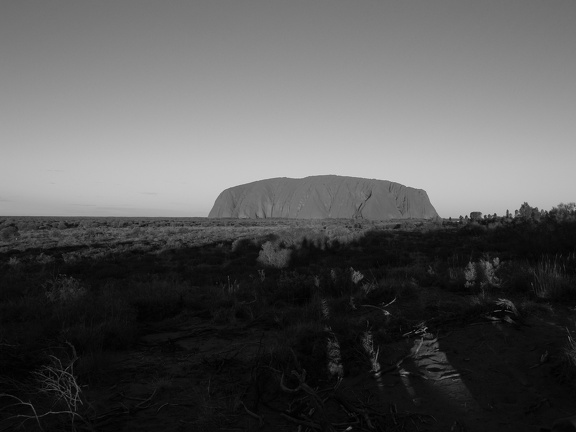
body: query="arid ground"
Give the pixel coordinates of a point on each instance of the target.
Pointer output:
(282, 325)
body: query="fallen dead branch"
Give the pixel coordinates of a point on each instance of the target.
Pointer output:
(301, 422)
(253, 414)
(55, 384)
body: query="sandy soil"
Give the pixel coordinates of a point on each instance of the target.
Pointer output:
(491, 374)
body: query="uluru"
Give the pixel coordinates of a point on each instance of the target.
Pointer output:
(323, 197)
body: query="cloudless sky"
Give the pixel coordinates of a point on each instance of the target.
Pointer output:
(152, 108)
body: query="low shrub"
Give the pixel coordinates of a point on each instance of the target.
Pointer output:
(156, 299)
(64, 289)
(24, 309)
(516, 276)
(272, 255)
(295, 288)
(482, 274)
(9, 233)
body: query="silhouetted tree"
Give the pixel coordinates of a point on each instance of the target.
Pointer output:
(563, 212)
(526, 212)
(476, 215)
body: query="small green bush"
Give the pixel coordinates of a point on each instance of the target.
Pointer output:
(482, 274)
(64, 289)
(273, 255)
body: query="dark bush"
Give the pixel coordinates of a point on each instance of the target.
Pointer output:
(9, 233)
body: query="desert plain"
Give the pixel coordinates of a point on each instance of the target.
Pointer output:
(196, 324)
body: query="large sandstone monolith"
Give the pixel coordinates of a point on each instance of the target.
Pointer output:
(320, 197)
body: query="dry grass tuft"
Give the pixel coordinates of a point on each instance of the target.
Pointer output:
(55, 398)
(551, 280)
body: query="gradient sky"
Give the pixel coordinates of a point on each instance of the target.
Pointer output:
(152, 108)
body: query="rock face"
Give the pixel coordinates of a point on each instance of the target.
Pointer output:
(322, 197)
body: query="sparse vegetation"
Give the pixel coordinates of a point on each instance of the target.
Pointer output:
(301, 307)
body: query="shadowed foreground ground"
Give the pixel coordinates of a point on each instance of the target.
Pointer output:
(333, 326)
